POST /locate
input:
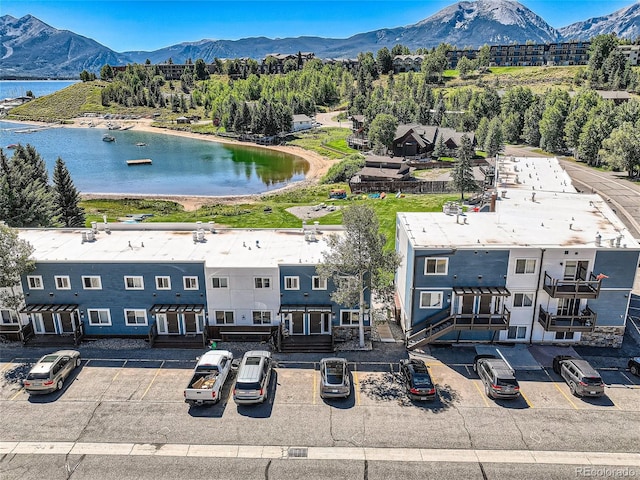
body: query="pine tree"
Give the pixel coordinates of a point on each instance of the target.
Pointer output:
(29, 202)
(441, 149)
(67, 199)
(462, 174)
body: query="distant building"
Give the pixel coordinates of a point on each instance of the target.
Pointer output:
(632, 53)
(301, 122)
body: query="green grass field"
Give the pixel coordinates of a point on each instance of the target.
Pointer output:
(269, 212)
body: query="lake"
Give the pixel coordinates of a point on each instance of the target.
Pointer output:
(180, 166)
(40, 88)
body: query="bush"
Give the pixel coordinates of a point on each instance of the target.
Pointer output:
(344, 170)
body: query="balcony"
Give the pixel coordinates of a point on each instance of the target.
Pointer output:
(557, 288)
(584, 322)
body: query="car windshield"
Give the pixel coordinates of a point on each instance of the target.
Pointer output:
(334, 373)
(508, 382)
(421, 381)
(38, 376)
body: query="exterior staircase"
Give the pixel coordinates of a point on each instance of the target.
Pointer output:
(307, 343)
(421, 335)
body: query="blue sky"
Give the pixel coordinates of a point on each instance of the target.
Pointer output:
(124, 25)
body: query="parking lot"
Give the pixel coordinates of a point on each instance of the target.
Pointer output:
(297, 383)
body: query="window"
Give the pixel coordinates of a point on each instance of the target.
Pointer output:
(318, 283)
(101, 317)
(91, 283)
(262, 282)
(261, 317)
(220, 282)
(517, 333)
(223, 317)
(35, 282)
(349, 318)
(190, 283)
(291, 283)
(133, 283)
(135, 318)
(522, 299)
(436, 266)
(525, 265)
(163, 283)
(8, 316)
(62, 282)
(430, 299)
(564, 335)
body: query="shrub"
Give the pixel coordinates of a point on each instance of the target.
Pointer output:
(344, 170)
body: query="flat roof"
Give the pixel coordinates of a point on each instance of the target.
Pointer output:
(537, 206)
(227, 248)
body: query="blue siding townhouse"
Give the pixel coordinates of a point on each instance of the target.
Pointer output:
(543, 264)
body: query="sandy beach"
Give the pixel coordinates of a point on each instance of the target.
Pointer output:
(318, 165)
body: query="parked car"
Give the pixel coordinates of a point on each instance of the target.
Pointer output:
(207, 382)
(582, 378)
(335, 380)
(498, 377)
(417, 380)
(254, 374)
(50, 372)
(634, 365)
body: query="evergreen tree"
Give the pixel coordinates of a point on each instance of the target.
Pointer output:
(384, 59)
(462, 174)
(440, 149)
(67, 199)
(482, 130)
(493, 142)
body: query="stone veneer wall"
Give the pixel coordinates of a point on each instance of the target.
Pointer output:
(346, 334)
(603, 337)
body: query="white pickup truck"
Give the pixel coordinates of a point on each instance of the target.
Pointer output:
(212, 369)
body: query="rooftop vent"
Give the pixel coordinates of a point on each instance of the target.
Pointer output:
(598, 239)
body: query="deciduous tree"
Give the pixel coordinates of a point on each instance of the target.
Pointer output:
(382, 131)
(15, 261)
(357, 261)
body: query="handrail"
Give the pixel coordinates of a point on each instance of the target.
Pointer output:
(585, 319)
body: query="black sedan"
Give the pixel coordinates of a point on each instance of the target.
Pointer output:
(417, 380)
(634, 365)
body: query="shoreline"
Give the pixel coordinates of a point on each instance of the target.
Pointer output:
(318, 165)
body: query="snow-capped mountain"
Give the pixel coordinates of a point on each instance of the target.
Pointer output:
(624, 23)
(32, 49)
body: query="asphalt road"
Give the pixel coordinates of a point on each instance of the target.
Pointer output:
(120, 417)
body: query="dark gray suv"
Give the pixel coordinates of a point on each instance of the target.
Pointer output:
(498, 377)
(582, 378)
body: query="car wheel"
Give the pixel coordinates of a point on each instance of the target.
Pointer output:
(59, 385)
(487, 391)
(574, 390)
(634, 369)
(78, 362)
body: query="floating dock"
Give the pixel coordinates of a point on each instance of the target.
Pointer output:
(141, 161)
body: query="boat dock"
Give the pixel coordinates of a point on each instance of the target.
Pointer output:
(140, 161)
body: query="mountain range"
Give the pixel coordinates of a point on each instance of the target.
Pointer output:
(30, 48)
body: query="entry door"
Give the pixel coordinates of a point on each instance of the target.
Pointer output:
(467, 304)
(295, 323)
(319, 323)
(576, 269)
(569, 306)
(66, 322)
(485, 304)
(44, 323)
(168, 324)
(191, 323)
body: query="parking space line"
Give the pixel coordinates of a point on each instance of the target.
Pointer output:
(555, 384)
(356, 384)
(17, 393)
(526, 399)
(484, 397)
(152, 380)
(634, 384)
(315, 386)
(6, 367)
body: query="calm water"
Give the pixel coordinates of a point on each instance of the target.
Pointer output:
(40, 88)
(181, 166)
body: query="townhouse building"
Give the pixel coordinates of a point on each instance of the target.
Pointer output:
(177, 283)
(539, 263)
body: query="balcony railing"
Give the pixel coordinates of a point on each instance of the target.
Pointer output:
(557, 288)
(583, 322)
(482, 321)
